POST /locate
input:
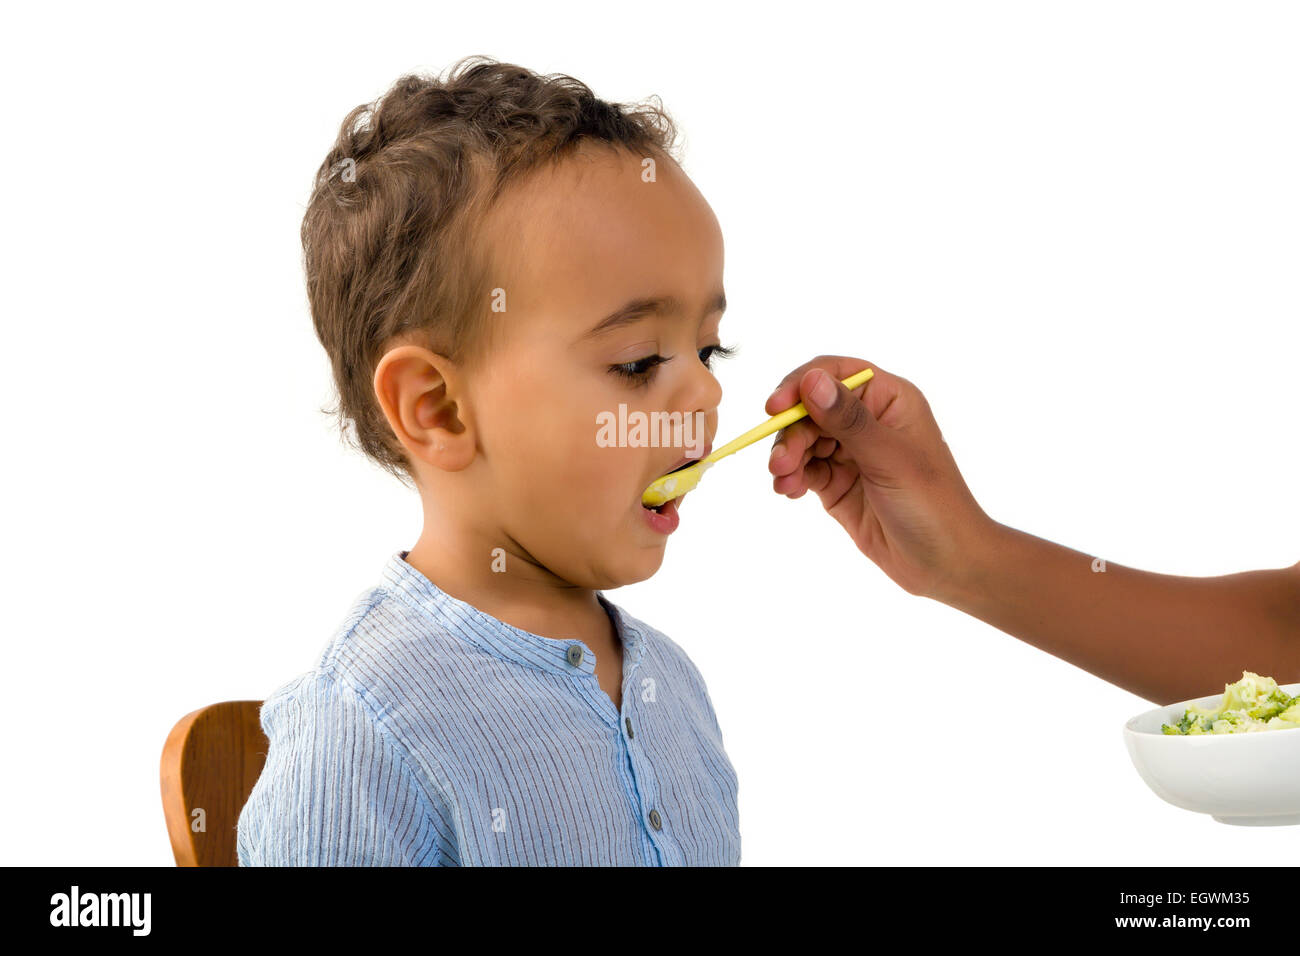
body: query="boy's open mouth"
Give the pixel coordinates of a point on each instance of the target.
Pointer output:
(668, 507)
(683, 465)
(658, 509)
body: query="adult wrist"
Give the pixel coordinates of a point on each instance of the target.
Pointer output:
(980, 552)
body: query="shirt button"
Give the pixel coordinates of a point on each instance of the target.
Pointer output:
(575, 654)
(655, 821)
(628, 721)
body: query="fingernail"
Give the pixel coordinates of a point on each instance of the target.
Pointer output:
(777, 451)
(823, 391)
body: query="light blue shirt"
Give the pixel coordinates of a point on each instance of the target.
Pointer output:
(432, 734)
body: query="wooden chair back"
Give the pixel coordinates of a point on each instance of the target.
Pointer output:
(210, 761)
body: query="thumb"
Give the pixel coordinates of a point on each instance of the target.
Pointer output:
(836, 410)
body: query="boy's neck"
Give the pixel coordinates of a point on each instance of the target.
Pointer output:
(520, 595)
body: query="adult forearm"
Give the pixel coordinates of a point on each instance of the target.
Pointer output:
(1164, 637)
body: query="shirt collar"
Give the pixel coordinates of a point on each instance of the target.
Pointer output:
(497, 637)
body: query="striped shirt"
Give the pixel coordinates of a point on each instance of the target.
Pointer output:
(432, 734)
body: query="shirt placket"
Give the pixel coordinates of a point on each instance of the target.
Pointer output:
(639, 778)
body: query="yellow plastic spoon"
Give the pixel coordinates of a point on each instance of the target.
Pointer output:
(677, 483)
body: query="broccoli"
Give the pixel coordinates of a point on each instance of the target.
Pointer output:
(1252, 703)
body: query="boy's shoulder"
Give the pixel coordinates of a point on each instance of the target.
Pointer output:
(364, 646)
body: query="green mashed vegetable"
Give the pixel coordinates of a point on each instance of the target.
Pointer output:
(1252, 703)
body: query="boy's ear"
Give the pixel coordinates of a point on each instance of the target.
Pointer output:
(419, 394)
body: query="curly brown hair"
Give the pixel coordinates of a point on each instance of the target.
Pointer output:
(391, 238)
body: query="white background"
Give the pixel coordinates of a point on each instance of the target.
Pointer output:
(1073, 225)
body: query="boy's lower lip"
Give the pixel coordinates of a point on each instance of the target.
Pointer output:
(665, 520)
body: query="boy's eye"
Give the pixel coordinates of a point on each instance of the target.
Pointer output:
(642, 370)
(715, 351)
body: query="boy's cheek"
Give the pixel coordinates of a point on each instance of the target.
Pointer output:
(611, 477)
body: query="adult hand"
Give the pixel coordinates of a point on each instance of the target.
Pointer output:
(878, 462)
(876, 458)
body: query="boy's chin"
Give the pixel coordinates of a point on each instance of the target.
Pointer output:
(642, 567)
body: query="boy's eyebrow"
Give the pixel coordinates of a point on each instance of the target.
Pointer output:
(638, 309)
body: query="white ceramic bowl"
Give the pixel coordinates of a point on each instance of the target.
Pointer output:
(1250, 778)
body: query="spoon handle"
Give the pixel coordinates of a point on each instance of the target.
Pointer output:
(778, 421)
